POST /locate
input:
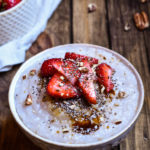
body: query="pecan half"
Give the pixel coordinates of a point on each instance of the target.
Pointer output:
(118, 122)
(141, 20)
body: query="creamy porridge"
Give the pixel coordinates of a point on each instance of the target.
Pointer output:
(75, 120)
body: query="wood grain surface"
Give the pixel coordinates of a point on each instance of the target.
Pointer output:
(71, 23)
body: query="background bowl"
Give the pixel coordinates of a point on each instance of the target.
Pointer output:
(17, 21)
(91, 50)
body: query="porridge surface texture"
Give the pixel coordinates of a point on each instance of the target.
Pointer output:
(58, 120)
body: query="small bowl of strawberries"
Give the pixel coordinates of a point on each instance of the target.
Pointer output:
(7, 4)
(17, 17)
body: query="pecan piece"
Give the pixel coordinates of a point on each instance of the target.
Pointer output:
(143, 1)
(28, 100)
(24, 77)
(118, 122)
(121, 95)
(127, 27)
(83, 69)
(141, 20)
(32, 72)
(91, 7)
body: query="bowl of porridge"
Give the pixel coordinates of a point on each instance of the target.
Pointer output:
(76, 96)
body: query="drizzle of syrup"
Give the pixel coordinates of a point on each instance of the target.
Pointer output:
(86, 126)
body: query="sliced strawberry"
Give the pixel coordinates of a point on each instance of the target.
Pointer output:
(80, 58)
(69, 69)
(47, 68)
(88, 90)
(104, 73)
(86, 84)
(59, 87)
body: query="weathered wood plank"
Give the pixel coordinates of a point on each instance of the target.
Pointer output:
(89, 27)
(146, 8)
(57, 32)
(131, 44)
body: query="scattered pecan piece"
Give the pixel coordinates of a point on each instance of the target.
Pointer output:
(52, 121)
(141, 20)
(80, 64)
(116, 105)
(28, 100)
(91, 7)
(127, 27)
(102, 89)
(32, 72)
(24, 77)
(118, 122)
(72, 106)
(143, 1)
(121, 95)
(84, 69)
(65, 130)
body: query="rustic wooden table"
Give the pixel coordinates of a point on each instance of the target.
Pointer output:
(71, 23)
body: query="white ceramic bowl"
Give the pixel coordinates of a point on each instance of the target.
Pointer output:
(51, 145)
(17, 21)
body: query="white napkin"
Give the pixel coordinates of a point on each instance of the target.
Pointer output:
(14, 52)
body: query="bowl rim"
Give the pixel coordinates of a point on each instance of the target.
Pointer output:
(11, 10)
(105, 141)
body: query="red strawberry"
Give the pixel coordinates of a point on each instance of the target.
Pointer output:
(10, 3)
(47, 68)
(88, 90)
(59, 87)
(86, 84)
(80, 58)
(104, 73)
(69, 69)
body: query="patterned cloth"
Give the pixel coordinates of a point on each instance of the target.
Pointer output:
(14, 52)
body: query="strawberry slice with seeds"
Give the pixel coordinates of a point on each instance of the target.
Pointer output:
(88, 90)
(47, 68)
(69, 69)
(81, 58)
(60, 87)
(104, 73)
(86, 84)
